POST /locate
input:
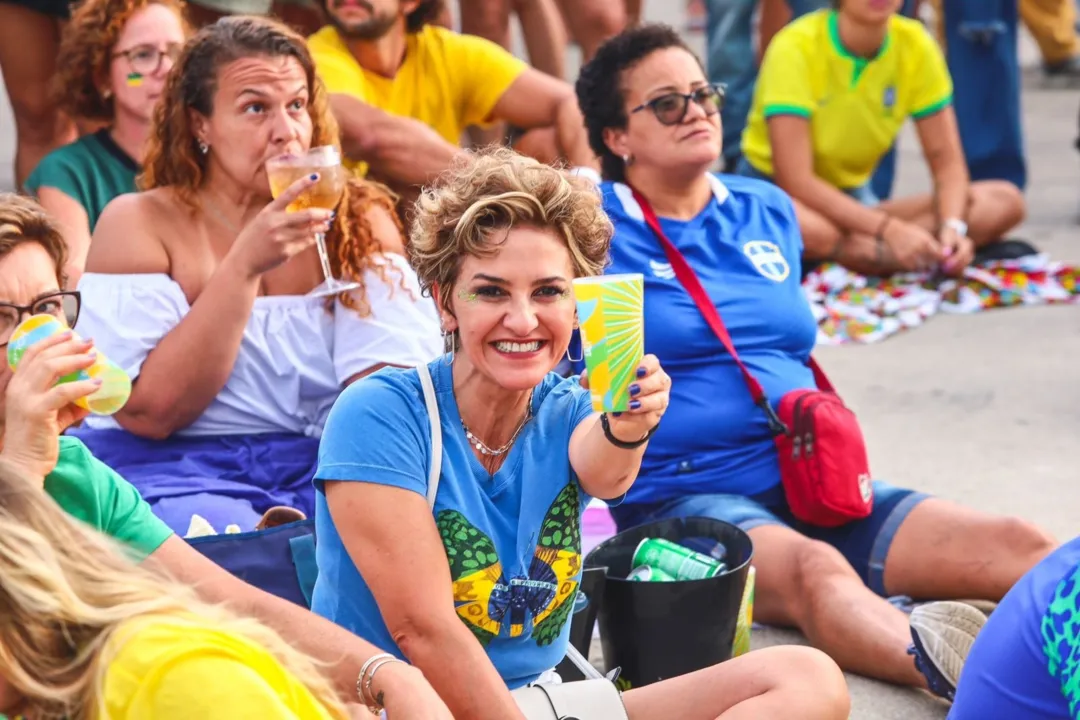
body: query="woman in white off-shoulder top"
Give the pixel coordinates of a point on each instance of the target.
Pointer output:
(200, 288)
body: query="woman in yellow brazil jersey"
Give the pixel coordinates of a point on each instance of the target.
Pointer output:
(835, 88)
(87, 635)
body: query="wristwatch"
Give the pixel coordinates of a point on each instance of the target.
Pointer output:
(956, 224)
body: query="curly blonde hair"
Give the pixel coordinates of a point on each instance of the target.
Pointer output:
(22, 220)
(69, 597)
(470, 206)
(173, 159)
(86, 54)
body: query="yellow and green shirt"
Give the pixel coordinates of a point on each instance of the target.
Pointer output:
(856, 106)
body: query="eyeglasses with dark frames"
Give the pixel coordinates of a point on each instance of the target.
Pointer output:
(671, 108)
(63, 305)
(146, 59)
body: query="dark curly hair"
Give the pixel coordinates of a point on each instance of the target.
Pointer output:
(600, 90)
(173, 159)
(86, 54)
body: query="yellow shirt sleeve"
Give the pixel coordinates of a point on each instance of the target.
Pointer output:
(172, 671)
(481, 72)
(784, 79)
(933, 84)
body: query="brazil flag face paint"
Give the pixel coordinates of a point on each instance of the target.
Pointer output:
(134, 79)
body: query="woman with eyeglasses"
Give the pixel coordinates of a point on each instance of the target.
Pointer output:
(114, 57)
(835, 88)
(654, 121)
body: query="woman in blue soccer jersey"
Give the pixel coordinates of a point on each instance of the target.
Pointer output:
(653, 119)
(835, 88)
(477, 591)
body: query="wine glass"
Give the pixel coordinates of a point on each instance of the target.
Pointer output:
(284, 170)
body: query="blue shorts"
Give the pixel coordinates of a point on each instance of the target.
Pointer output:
(865, 543)
(863, 193)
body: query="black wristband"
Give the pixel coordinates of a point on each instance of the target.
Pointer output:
(622, 444)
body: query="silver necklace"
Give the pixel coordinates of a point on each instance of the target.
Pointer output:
(484, 449)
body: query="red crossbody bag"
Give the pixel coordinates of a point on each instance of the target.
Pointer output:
(823, 463)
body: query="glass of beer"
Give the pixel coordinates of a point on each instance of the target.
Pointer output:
(284, 170)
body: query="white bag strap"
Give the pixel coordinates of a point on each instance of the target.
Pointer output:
(435, 471)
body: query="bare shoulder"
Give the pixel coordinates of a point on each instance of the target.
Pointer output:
(386, 229)
(376, 203)
(128, 236)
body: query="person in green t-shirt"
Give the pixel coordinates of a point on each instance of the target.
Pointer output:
(113, 61)
(35, 411)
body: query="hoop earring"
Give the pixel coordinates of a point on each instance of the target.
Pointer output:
(203, 147)
(449, 341)
(580, 345)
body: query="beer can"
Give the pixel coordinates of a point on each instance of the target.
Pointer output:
(646, 573)
(680, 562)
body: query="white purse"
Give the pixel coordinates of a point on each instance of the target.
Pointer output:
(595, 698)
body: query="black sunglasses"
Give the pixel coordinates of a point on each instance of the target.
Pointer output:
(671, 108)
(63, 305)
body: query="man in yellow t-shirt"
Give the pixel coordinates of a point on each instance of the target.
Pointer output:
(834, 90)
(404, 91)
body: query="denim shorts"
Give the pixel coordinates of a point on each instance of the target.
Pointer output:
(864, 543)
(863, 193)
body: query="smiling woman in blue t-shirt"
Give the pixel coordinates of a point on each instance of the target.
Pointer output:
(653, 119)
(477, 591)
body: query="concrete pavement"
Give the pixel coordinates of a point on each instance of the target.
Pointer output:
(984, 409)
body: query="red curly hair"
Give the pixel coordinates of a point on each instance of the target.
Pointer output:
(173, 159)
(86, 54)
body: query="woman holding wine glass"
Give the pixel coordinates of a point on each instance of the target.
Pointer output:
(208, 291)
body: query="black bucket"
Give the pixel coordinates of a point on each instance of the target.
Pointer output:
(660, 630)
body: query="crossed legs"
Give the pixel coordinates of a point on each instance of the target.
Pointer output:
(994, 208)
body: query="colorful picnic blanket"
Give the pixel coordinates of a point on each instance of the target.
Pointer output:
(852, 308)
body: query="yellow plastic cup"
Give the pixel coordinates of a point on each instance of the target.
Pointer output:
(115, 384)
(610, 314)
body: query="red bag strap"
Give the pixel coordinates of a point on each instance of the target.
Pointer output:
(690, 282)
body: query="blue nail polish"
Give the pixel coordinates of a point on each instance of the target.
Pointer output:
(614, 414)
(314, 176)
(641, 372)
(635, 404)
(634, 389)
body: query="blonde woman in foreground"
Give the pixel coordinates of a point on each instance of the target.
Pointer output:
(86, 634)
